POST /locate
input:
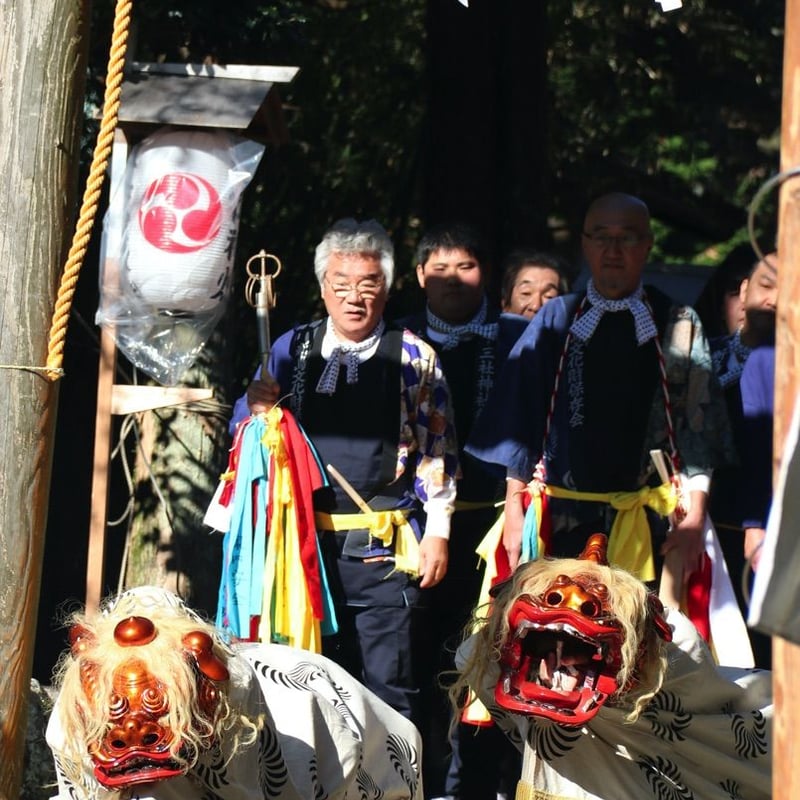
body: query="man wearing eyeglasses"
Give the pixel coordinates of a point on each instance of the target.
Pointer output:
(597, 381)
(373, 400)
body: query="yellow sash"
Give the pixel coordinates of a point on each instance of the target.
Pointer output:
(387, 526)
(629, 543)
(475, 712)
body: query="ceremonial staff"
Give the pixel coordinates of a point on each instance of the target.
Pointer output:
(273, 585)
(260, 295)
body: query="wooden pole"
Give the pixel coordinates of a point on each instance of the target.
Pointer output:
(109, 256)
(43, 48)
(786, 656)
(95, 563)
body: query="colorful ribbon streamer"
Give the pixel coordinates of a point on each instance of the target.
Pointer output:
(272, 567)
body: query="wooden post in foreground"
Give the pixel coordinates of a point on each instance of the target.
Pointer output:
(786, 656)
(43, 47)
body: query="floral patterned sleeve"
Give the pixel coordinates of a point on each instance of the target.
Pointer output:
(427, 433)
(700, 417)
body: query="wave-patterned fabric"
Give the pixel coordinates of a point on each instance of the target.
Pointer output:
(706, 735)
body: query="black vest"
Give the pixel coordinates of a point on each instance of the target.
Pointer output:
(357, 428)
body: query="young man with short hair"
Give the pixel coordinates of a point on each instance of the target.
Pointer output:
(472, 340)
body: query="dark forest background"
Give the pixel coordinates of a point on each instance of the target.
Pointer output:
(509, 114)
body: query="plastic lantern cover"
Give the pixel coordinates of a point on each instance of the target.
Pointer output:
(170, 240)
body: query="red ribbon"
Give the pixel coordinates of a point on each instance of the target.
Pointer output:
(698, 598)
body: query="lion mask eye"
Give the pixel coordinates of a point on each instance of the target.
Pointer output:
(155, 702)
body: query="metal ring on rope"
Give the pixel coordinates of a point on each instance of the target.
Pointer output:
(758, 198)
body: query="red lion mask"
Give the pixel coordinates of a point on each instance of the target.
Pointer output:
(563, 652)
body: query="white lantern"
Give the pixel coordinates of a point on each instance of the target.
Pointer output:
(172, 229)
(182, 217)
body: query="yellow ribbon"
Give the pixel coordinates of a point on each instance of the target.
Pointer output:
(286, 613)
(629, 542)
(387, 526)
(475, 712)
(527, 791)
(271, 438)
(486, 550)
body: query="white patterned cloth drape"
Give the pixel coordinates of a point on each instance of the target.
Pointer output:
(325, 736)
(705, 736)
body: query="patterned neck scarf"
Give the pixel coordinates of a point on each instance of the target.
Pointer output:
(451, 335)
(351, 352)
(584, 326)
(722, 359)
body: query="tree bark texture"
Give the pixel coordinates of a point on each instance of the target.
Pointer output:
(183, 450)
(42, 73)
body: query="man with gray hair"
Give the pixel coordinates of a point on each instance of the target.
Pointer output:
(374, 402)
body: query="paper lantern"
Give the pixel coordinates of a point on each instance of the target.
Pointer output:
(182, 215)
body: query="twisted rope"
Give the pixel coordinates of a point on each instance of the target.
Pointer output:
(91, 195)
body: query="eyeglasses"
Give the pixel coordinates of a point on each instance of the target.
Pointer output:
(367, 289)
(628, 241)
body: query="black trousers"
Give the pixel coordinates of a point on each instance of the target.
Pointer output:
(378, 614)
(474, 763)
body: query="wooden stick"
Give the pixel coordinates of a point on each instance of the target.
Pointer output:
(348, 487)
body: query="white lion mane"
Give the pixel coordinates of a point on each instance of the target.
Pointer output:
(85, 719)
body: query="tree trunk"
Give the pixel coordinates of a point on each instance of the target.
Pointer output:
(785, 654)
(486, 145)
(182, 452)
(42, 60)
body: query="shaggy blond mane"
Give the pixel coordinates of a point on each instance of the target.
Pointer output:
(85, 719)
(643, 657)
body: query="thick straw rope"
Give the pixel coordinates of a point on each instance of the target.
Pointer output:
(91, 195)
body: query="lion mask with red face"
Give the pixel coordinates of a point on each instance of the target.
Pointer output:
(568, 636)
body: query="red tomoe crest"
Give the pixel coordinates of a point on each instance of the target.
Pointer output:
(180, 213)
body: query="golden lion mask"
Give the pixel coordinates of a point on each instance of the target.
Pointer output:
(145, 694)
